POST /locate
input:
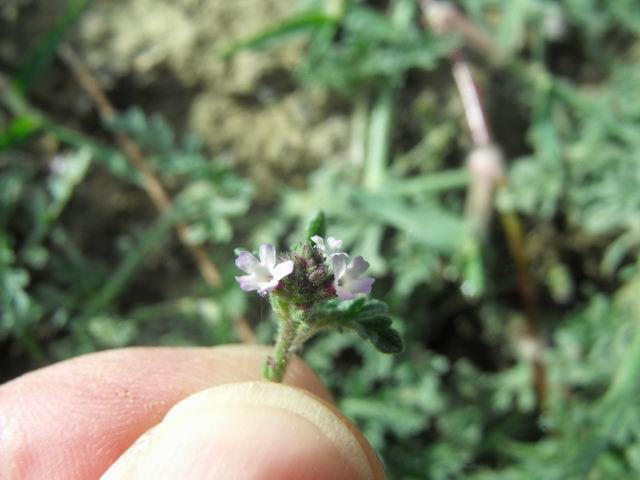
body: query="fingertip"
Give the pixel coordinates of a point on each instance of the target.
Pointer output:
(110, 399)
(251, 430)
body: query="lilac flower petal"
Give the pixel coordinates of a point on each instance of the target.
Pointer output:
(282, 270)
(267, 287)
(358, 266)
(334, 243)
(343, 293)
(264, 274)
(361, 285)
(248, 283)
(339, 265)
(347, 277)
(246, 262)
(268, 255)
(319, 241)
(328, 247)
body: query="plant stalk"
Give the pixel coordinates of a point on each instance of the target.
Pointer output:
(488, 175)
(276, 366)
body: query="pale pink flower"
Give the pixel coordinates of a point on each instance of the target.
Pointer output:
(263, 274)
(328, 247)
(348, 276)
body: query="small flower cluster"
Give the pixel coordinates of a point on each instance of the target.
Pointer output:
(304, 274)
(315, 287)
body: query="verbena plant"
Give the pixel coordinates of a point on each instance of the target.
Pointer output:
(315, 287)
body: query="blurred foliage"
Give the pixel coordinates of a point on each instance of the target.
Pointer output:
(86, 263)
(68, 292)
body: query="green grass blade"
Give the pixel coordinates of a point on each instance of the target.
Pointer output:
(306, 22)
(19, 130)
(124, 273)
(44, 51)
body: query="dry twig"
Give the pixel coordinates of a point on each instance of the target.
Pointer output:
(487, 170)
(151, 183)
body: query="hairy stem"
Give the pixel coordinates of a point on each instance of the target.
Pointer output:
(276, 366)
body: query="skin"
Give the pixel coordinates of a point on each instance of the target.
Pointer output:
(176, 413)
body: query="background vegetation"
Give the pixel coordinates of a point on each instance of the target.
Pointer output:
(142, 140)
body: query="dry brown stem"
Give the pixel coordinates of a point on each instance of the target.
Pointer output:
(488, 177)
(150, 181)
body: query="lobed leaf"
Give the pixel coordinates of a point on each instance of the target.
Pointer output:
(369, 318)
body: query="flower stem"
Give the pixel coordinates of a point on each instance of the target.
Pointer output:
(276, 366)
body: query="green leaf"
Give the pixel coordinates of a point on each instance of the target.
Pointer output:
(427, 223)
(384, 338)
(369, 318)
(317, 226)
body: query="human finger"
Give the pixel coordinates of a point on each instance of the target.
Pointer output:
(72, 420)
(257, 430)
